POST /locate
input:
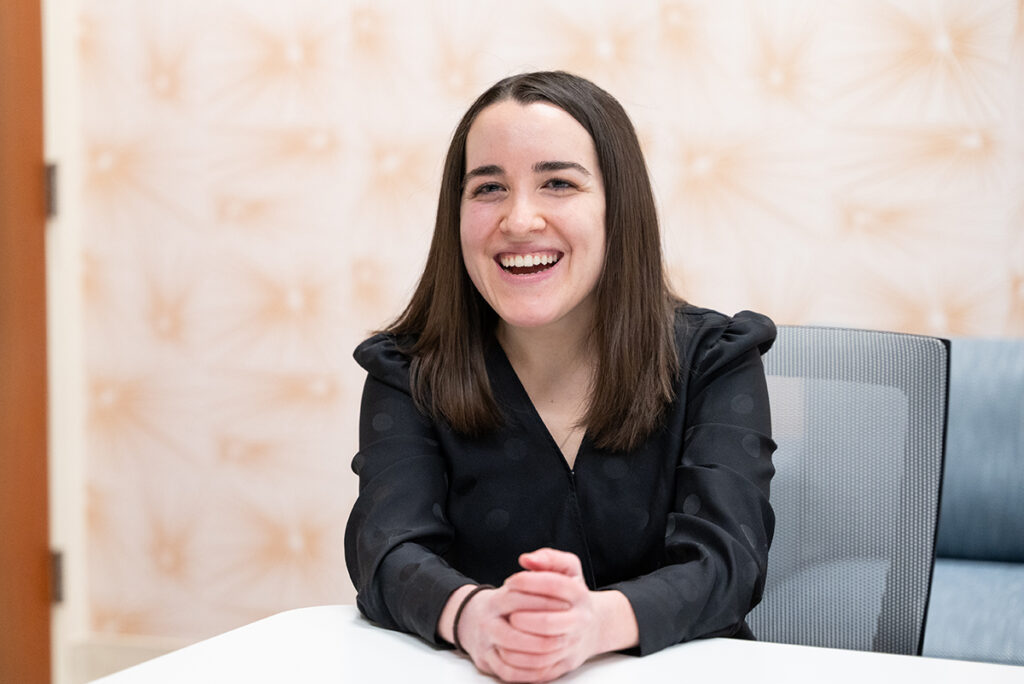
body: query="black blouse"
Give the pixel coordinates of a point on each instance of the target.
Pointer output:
(681, 525)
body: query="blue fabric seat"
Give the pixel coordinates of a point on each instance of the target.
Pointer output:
(976, 610)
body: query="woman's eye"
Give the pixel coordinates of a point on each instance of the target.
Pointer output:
(486, 189)
(559, 184)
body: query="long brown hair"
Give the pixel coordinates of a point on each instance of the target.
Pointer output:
(447, 324)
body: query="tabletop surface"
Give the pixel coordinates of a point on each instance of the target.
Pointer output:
(335, 644)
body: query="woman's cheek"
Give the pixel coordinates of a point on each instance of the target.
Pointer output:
(476, 217)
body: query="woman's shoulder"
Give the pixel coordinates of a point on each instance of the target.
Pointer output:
(702, 332)
(385, 357)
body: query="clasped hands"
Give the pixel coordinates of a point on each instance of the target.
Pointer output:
(544, 621)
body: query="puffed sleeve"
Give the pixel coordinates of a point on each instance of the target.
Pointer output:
(397, 532)
(720, 525)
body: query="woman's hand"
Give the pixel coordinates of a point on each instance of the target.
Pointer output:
(485, 632)
(593, 622)
(542, 622)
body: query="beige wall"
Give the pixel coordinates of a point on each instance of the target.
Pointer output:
(257, 190)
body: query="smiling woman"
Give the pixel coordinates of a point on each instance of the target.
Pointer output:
(532, 217)
(552, 463)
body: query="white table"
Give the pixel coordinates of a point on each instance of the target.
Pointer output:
(335, 644)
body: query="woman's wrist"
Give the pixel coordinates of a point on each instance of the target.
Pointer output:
(616, 622)
(459, 612)
(446, 622)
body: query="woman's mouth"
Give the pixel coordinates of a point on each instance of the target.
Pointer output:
(525, 264)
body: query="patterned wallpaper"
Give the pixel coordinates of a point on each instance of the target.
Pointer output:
(259, 183)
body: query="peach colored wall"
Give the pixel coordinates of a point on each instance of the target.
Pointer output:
(259, 182)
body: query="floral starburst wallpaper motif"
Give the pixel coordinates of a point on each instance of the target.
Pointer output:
(259, 180)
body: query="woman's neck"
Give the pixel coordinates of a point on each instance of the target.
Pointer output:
(552, 351)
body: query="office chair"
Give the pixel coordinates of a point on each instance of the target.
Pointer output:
(860, 419)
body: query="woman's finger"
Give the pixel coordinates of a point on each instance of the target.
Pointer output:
(530, 661)
(545, 583)
(503, 635)
(552, 560)
(544, 623)
(510, 673)
(509, 601)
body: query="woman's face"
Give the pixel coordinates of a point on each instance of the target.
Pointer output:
(532, 215)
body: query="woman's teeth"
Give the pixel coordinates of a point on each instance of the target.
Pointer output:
(518, 261)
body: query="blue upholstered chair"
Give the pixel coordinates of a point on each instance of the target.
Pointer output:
(977, 602)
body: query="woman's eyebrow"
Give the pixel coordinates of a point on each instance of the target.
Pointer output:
(539, 167)
(547, 166)
(485, 170)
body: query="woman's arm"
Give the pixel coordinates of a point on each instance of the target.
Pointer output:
(397, 532)
(720, 525)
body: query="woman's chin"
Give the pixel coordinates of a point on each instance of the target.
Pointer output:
(527, 320)
(566, 323)
(561, 316)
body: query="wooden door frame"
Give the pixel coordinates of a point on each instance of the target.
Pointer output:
(24, 549)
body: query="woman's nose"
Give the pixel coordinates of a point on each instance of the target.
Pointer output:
(523, 217)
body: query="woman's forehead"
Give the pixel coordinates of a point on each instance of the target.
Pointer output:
(538, 131)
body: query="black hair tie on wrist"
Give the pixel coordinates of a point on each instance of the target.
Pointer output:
(458, 613)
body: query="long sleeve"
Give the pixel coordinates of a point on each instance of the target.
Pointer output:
(720, 523)
(397, 532)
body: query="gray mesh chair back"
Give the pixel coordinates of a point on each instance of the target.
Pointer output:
(859, 417)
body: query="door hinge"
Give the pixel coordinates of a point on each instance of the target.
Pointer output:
(50, 190)
(56, 576)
